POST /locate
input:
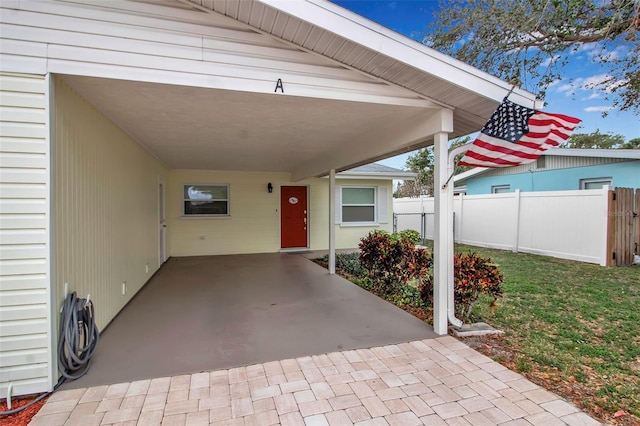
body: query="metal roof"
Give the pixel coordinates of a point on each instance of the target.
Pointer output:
(378, 171)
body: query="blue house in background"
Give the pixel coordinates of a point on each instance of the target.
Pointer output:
(557, 170)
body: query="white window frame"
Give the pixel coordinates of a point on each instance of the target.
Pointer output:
(211, 216)
(497, 189)
(374, 205)
(604, 180)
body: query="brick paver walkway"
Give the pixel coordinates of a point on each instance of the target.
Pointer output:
(434, 382)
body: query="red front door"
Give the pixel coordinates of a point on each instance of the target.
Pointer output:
(293, 216)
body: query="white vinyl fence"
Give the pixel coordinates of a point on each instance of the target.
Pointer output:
(563, 224)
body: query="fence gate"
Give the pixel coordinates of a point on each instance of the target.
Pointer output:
(623, 239)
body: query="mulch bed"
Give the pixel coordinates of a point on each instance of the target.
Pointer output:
(23, 417)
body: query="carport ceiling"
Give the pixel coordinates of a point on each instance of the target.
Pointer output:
(210, 129)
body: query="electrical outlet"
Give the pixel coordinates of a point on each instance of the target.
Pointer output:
(146, 268)
(124, 288)
(202, 237)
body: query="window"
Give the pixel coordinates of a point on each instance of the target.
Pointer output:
(595, 183)
(500, 189)
(205, 200)
(358, 205)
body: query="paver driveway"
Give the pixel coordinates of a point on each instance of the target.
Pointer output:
(433, 382)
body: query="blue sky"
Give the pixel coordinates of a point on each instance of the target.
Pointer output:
(410, 17)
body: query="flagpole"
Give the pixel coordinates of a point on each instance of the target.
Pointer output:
(452, 156)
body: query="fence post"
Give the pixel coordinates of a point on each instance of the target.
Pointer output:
(611, 226)
(636, 223)
(423, 227)
(516, 244)
(395, 222)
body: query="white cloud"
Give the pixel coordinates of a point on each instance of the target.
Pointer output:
(555, 83)
(547, 62)
(612, 56)
(595, 81)
(568, 88)
(591, 86)
(605, 82)
(598, 109)
(594, 95)
(595, 53)
(589, 49)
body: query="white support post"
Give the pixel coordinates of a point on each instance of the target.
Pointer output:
(332, 221)
(442, 230)
(516, 243)
(460, 216)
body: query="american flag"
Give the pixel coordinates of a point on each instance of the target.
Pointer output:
(517, 135)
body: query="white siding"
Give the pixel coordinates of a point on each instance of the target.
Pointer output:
(166, 45)
(106, 206)
(24, 234)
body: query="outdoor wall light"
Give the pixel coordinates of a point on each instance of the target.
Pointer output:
(269, 187)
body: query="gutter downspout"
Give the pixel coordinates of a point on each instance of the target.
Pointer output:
(451, 312)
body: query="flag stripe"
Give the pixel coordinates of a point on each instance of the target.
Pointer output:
(490, 153)
(502, 150)
(496, 160)
(569, 121)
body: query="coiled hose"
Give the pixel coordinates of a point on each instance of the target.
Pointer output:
(78, 337)
(77, 343)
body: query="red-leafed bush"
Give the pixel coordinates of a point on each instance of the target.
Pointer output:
(391, 260)
(472, 277)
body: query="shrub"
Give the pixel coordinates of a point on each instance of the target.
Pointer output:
(412, 235)
(407, 295)
(472, 277)
(349, 263)
(392, 260)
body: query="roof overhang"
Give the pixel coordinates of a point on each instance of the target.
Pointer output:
(327, 29)
(403, 92)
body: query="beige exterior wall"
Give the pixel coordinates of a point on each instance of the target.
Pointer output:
(254, 225)
(25, 329)
(106, 207)
(347, 236)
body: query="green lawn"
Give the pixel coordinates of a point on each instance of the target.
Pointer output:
(575, 323)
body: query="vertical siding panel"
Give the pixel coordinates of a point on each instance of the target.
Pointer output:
(24, 277)
(106, 206)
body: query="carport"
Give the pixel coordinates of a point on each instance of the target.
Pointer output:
(218, 312)
(113, 107)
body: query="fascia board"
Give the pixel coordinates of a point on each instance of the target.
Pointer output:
(351, 26)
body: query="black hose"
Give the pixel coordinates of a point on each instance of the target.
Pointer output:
(17, 410)
(78, 338)
(77, 343)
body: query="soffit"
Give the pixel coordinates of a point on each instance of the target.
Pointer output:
(329, 30)
(210, 129)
